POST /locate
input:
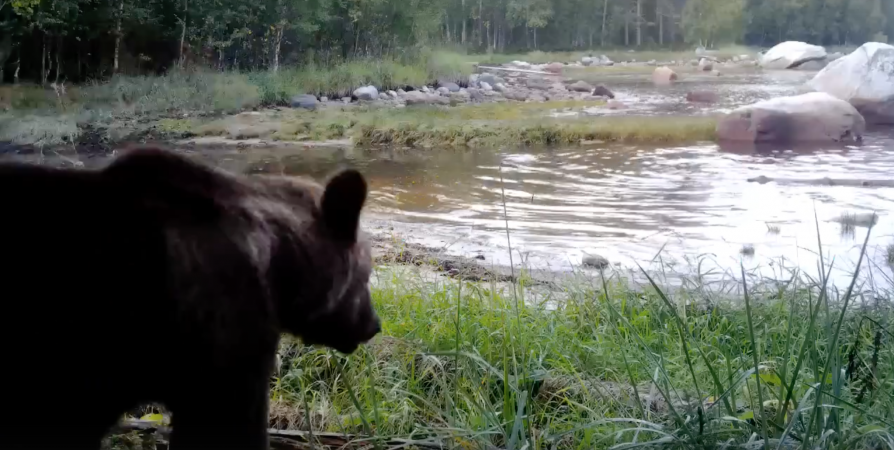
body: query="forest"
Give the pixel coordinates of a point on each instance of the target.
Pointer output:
(78, 40)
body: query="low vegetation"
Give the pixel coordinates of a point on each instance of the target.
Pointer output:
(466, 125)
(31, 114)
(599, 363)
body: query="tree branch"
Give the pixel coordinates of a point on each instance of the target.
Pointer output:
(292, 439)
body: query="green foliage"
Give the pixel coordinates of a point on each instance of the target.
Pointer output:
(68, 39)
(709, 22)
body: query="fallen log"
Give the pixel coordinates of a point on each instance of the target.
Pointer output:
(510, 69)
(291, 439)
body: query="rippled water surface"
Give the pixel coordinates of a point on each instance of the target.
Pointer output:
(626, 203)
(630, 204)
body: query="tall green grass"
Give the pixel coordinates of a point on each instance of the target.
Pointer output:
(599, 364)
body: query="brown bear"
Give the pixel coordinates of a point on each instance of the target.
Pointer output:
(159, 279)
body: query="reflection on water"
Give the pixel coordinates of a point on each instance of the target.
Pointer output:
(623, 202)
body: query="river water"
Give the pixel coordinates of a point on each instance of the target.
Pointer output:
(691, 207)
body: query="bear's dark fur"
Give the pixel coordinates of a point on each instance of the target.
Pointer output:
(159, 279)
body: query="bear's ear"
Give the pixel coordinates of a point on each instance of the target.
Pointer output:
(341, 204)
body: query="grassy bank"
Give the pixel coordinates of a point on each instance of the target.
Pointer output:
(38, 115)
(483, 366)
(466, 125)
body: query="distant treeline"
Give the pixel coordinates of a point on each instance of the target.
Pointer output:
(76, 40)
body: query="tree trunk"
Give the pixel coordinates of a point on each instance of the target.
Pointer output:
(660, 25)
(183, 33)
(604, 16)
(639, 23)
(627, 29)
(447, 26)
(15, 76)
(43, 62)
(58, 57)
(535, 38)
(463, 16)
(480, 21)
(118, 36)
(495, 30)
(277, 44)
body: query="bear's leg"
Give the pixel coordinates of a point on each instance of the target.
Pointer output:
(227, 414)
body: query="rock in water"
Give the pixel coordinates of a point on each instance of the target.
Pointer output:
(706, 65)
(586, 60)
(595, 261)
(485, 86)
(602, 91)
(702, 97)
(813, 117)
(443, 90)
(816, 64)
(367, 93)
(663, 75)
(865, 78)
(580, 86)
(305, 101)
(791, 54)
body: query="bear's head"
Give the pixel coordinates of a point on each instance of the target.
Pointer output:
(322, 263)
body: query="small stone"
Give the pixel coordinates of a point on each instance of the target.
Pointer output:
(581, 86)
(443, 91)
(615, 104)
(595, 261)
(554, 67)
(488, 78)
(366, 93)
(324, 99)
(451, 87)
(702, 96)
(602, 91)
(305, 101)
(485, 86)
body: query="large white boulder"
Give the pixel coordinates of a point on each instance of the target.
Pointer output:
(791, 54)
(811, 117)
(865, 78)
